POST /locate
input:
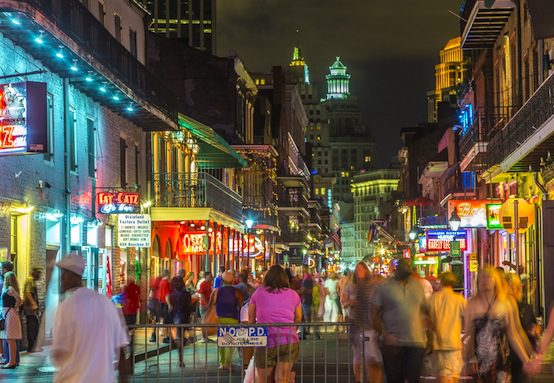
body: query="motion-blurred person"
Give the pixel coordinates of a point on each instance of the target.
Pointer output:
(318, 303)
(275, 362)
(425, 284)
(180, 307)
(228, 301)
(398, 308)
(132, 301)
(205, 292)
(306, 297)
(331, 299)
(164, 292)
(89, 332)
(201, 279)
(189, 282)
(154, 304)
(11, 301)
(245, 288)
(363, 336)
(31, 307)
(446, 312)
(345, 283)
(491, 326)
(530, 331)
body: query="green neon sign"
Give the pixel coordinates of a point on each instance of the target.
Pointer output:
(493, 216)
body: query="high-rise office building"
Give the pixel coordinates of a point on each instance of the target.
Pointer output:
(193, 21)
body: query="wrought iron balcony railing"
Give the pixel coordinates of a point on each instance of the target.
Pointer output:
(525, 122)
(74, 19)
(196, 190)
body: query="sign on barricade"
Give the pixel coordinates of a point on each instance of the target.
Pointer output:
(242, 336)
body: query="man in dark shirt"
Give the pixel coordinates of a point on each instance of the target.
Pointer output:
(306, 291)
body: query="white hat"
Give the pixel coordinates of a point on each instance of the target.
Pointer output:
(73, 262)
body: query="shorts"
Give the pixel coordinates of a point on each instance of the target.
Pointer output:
(371, 350)
(268, 357)
(448, 363)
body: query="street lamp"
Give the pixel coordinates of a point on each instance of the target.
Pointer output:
(455, 220)
(413, 233)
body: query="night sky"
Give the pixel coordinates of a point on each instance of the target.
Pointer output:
(389, 46)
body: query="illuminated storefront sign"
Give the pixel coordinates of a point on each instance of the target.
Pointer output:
(493, 216)
(472, 212)
(118, 202)
(439, 240)
(134, 230)
(195, 243)
(23, 128)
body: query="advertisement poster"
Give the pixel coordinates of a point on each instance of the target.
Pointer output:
(134, 230)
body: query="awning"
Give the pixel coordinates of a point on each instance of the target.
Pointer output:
(215, 152)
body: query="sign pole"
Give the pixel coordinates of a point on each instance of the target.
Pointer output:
(516, 238)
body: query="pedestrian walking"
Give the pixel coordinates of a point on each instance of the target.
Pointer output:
(164, 289)
(31, 307)
(446, 312)
(306, 297)
(89, 332)
(205, 292)
(189, 283)
(131, 304)
(398, 308)
(331, 299)
(318, 303)
(12, 332)
(363, 337)
(154, 304)
(345, 283)
(245, 288)
(180, 307)
(228, 302)
(275, 362)
(490, 321)
(201, 279)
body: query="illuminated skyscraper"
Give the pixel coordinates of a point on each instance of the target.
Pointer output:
(338, 81)
(190, 20)
(298, 67)
(450, 72)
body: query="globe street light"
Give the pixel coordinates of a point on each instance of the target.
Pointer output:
(413, 233)
(455, 221)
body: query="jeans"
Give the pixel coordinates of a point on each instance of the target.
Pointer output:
(32, 331)
(402, 364)
(306, 317)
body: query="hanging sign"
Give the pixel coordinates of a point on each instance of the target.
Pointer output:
(493, 216)
(23, 126)
(473, 263)
(439, 240)
(134, 230)
(195, 243)
(118, 202)
(471, 212)
(525, 215)
(455, 251)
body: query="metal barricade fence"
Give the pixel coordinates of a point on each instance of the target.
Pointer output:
(324, 352)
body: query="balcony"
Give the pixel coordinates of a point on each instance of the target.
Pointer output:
(196, 190)
(474, 141)
(484, 22)
(75, 45)
(527, 137)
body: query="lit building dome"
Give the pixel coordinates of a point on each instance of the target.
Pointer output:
(338, 81)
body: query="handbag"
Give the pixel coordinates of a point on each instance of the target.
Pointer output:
(3, 321)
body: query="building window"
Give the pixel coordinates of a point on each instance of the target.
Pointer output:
(101, 12)
(367, 159)
(117, 26)
(91, 144)
(72, 140)
(49, 156)
(133, 42)
(123, 162)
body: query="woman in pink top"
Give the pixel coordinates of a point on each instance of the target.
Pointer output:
(275, 302)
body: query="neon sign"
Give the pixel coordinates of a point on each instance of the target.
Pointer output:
(466, 118)
(471, 212)
(23, 118)
(118, 202)
(493, 216)
(194, 243)
(439, 240)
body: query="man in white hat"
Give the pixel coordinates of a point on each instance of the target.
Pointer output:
(89, 332)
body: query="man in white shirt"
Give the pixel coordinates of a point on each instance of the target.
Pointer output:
(89, 332)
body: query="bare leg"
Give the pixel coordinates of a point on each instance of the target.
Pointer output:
(282, 372)
(263, 374)
(12, 347)
(374, 372)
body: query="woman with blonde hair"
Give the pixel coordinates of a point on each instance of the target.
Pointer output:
(11, 300)
(490, 323)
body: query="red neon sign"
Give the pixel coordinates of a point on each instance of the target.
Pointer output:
(118, 202)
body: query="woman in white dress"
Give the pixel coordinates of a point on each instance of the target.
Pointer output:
(331, 299)
(11, 300)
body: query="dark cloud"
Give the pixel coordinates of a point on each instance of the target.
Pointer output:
(390, 47)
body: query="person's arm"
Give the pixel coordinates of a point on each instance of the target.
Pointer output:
(13, 293)
(213, 298)
(123, 366)
(251, 312)
(548, 334)
(514, 336)
(298, 314)
(515, 319)
(376, 318)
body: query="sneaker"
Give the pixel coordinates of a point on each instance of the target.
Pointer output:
(166, 340)
(153, 338)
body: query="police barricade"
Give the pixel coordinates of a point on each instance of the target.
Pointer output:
(245, 353)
